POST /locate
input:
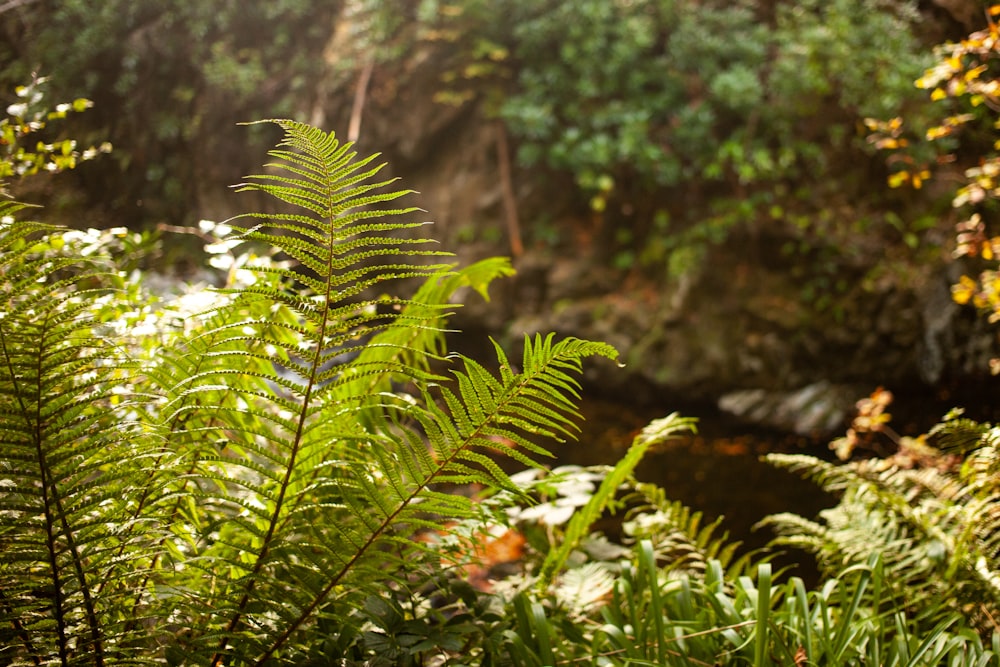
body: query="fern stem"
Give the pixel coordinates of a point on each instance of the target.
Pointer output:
(314, 369)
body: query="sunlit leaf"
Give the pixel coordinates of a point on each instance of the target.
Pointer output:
(963, 291)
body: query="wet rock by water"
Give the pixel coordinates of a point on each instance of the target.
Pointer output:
(820, 409)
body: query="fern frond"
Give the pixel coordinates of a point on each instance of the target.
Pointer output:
(657, 432)
(68, 458)
(584, 588)
(682, 540)
(324, 470)
(956, 433)
(934, 528)
(268, 367)
(483, 420)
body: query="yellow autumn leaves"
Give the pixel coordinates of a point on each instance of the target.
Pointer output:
(966, 73)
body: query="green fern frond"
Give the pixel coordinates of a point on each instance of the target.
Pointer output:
(291, 379)
(955, 433)
(483, 420)
(398, 354)
(68, 459)
(324, 472)
(657, 432)
(682, 540)
(934, 527)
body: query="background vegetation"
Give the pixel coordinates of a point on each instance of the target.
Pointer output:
(675, 121)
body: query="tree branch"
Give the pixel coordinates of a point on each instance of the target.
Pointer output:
(14, 4)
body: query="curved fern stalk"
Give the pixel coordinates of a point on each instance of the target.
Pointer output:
(392, 495)
(66, 458)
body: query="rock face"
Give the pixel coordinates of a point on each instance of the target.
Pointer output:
(738, 330)
(740, 326)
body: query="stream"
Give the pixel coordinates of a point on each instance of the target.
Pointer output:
(716, 471)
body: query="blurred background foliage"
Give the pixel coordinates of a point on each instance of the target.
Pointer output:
(679, 120)
(710, 98)
(674, 125)
(168, 80)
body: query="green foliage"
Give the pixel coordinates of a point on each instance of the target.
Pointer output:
(242, 476)
(714, 112)
(668, 92)
(166, 79)
(675, 595)
(265, 473)
(928, 512)
(653, 618)
(579, 526)
(708, 114)
(29, 117)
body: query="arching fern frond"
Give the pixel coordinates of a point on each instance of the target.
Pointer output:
(656, 432)
(485, 417)
(313, 418)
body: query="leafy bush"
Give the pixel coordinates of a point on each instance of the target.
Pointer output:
(651, 94)
(680, 122)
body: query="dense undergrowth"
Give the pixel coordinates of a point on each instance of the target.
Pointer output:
(292, 468)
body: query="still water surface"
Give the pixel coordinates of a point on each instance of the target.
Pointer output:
(717, 471)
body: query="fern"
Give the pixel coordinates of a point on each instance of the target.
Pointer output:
(224, 488)
(930, 515)
(69, 459)
(657, 432)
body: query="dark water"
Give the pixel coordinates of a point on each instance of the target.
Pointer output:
(716, 471)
